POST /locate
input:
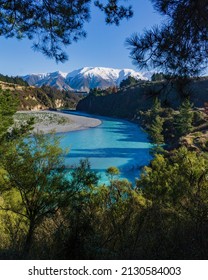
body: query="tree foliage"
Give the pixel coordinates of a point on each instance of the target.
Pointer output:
(15, 80)
(184, 120)
(83, 176)
(178, 189)
(155, 130)
(114, 13)
(35, 171)
(51, 25)
(155, 126)
(159, 77)
(156, 109)
(128, 82)
(8, 107)
(163, 217)
(179, 45)
(112, 172)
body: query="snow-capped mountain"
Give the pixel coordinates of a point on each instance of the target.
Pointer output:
(55, 79)
(83, 79)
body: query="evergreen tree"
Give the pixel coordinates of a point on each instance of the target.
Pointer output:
(184, 120)
(8, 107)
(14, 80)
(155, 130)
(156, 109)
(158, 77)
(169, 47)
(53, 24)
(128, 82)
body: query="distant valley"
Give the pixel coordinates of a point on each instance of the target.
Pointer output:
(84, 79)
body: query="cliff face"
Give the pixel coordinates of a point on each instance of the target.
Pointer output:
(129, 100)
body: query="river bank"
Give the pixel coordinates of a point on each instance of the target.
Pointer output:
(47, 121)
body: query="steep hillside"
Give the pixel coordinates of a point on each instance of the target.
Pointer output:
(15, 80)
(127, 101)
(32, 98)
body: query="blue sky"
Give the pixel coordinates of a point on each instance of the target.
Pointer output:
(104, 45)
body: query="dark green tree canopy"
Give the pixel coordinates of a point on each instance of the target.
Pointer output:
(114, 13)
(53, 24)
(15, 80)
(8, 107)
(128, 82)
(179, 46)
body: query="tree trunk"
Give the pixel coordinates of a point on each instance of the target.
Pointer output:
(28, 241)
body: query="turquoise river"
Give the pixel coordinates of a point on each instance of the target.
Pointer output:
(115, 142)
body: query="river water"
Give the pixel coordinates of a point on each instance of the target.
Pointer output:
(115, 142)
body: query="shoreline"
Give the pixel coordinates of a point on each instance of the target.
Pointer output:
(72, 122)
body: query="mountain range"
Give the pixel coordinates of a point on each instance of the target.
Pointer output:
(83, 79)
